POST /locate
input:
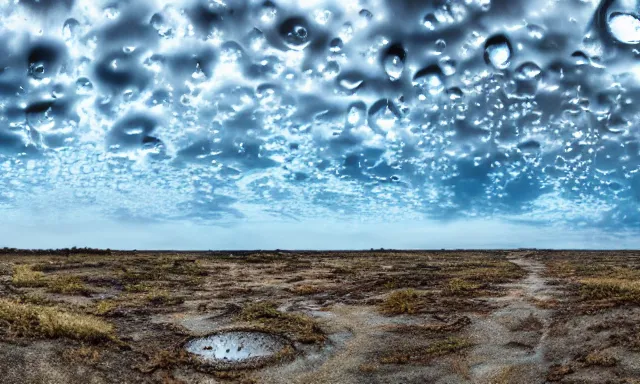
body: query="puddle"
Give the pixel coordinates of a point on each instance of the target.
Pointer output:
(236, 346)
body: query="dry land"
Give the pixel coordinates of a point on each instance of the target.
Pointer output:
(525, 316)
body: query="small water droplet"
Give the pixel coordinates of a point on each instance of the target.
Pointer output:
(350, 82)
(322, 17)
(83, 86)
(331, 70)
(535, 31)
(356, 113)
(430, 22)
(366, 14)
(439, 46)
(295, 33)
(448, 66)
(336, 45)
(267, 12)
(111, 12)
(528, 71)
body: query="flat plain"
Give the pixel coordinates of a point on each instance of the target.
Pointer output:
(513, 316)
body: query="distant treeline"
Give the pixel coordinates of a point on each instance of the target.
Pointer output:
(51, 252)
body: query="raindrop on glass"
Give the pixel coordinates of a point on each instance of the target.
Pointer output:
(295, 33)
(497, 52)
(625, 27)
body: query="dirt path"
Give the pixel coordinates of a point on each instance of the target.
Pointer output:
(510, 341)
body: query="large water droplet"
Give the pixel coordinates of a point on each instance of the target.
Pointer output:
(625, 27)
(497, 51)
(393, 61)
(295, 33)
(69, 28)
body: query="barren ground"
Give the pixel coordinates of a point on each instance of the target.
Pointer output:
(526, 316)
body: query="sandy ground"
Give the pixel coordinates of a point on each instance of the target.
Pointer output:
(498, 317)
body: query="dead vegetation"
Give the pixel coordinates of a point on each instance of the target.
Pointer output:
(424, 354)
(600, 359)
(400, 302)
(81, 302)
(25, 276)
(68, 285)
(28, 320)
(298, 327)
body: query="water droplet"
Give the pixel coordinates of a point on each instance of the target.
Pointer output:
(83, 86)
(111, 12)
(393, 61)
(439, 46)
(350, 82)
(535, 31)
(331, 70)
(497, 52)
(429, 81)
(267, 12)
(336, 45)
(36, 70)
(346, 32)
(430, 22)
(322, 16)
(365, 14)
(448, 66)
(295, 33)
(356, 113)
(70, 28)
(383, 115)
(625, 27)
(455, 93)
(159, 23)
(528, 71)
(580, 58)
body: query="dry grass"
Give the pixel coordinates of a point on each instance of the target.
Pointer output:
(505, 376)
(105, 307)
(38, 321)
(83, 354)
(557, 372)
(299, 327)
(306, 289)
(368, 368)
(400, 302)
(610, 289)
(460, 366)
(439, 329)
(68, 285)
(163, 297)
(25, 276)
(436, 349)
(460, 287)
(600, 359)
